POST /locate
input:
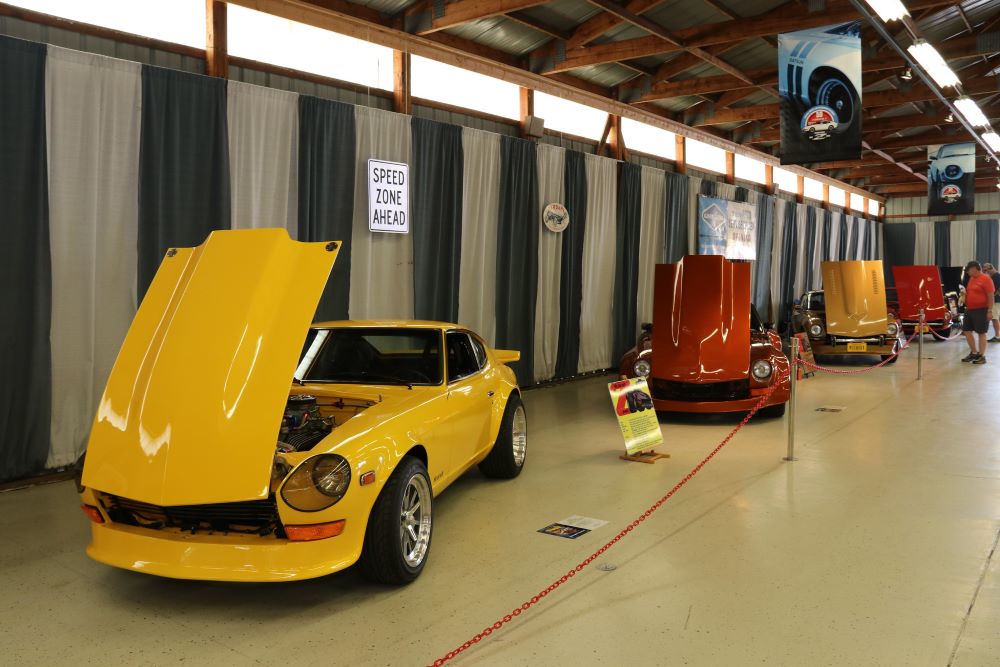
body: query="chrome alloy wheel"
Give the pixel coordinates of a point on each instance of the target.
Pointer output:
(415, 520)
(519, 436)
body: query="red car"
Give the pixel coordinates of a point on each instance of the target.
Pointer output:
(920, 287)
(707, 349)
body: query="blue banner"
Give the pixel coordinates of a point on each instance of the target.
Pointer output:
(951, 179)
(727, 228)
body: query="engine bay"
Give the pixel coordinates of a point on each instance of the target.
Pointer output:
(308, 419)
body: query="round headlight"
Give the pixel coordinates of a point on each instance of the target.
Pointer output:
(642, 368)
(762, 369)
(893, 329)
(816, 330)
(319, 482)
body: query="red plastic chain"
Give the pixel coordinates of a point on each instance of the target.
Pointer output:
(859, 371)
(940, 337)
(535, 599)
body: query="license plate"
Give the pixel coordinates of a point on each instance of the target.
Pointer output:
(857, 347)
(925, 329)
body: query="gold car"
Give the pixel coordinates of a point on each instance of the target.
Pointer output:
(235, 441)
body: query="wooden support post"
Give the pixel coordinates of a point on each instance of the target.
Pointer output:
(769, 179)
(679, 157)
(730, 167)
(800, 188)
(527, 109)
(216, 43)
(402, 100)
(615, 141)
(605, 135)
(847, 201)
(826, 195)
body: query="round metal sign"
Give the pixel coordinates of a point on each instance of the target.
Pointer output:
(555, 217)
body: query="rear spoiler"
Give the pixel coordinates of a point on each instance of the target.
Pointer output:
(507, 356)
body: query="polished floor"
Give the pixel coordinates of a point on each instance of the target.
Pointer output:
(873, 548)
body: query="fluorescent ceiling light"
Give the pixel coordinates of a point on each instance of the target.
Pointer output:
(971, 111)
(993, 140)
(933, 63)
(888, 10)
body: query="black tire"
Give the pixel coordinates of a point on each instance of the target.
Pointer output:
(829, 87)
(889, 356)
(944, 333)
(502, 462)
(382, 557)
(772, 411)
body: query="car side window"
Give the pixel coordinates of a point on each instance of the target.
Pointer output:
(480, 350)
(462, 360)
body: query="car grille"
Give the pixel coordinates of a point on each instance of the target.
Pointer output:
(667, 390)
(258, 517)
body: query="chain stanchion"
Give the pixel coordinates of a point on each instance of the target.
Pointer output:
(794, 381)
(920, 346)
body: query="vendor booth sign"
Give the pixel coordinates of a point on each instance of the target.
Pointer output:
(727, 228)
(388, 197)
(636, 415)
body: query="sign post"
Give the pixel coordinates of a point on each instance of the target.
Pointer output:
(637, 420)
(790, 456)
(920, 347)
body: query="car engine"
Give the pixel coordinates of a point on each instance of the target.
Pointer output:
(303, 425)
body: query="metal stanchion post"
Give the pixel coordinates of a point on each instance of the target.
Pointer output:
(791, 399)
(920, 347)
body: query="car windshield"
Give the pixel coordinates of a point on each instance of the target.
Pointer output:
(814, 301)
(953, 150)
(755, 323)
(372, 356)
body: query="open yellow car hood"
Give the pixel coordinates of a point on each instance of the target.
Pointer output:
(854, 292)
(192, 408)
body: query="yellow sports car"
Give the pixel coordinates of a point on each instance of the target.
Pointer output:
(235, 441)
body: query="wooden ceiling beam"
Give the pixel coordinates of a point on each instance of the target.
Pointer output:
(448, 15)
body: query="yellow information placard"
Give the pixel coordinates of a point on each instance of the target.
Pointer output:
(636, 415)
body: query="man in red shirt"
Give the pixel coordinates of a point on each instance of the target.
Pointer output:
(978, 310)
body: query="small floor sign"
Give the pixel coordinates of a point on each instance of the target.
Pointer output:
(636, 415)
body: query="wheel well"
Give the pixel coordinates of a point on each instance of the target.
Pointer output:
(418, 452)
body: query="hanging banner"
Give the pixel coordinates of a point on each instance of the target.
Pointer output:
(636, 415)
(727, 228)
(951, 179)
(388, 197)
(819, 81)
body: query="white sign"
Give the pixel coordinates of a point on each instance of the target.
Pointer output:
(555, 217)
(388, 197)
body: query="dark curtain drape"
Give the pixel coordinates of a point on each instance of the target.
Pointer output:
(865, 237)
(183, 164)
(762, 265)
(900, 244)
(827, 231)
(742, 194)
(326, 191)
(571, 269)
(810, 244)
(986, 241)
(25, 264)
(517, 252)
(942, 243)
(789, 245)
(627, 252)
(844, 233)
(857, 237)
(436, 212)
(675, 238)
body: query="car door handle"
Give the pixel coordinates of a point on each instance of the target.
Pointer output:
(489, 394)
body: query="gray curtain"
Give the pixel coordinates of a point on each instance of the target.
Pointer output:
(762, 265)
(986, 241)
(627, 252)
(517, 252)
(676, 238)
(436, 213)
(326, 191)
(811, 242)
(789, 245)
(25, 265)
(183, 164)
(900, 242)
(571, 268)
(942, 243)
(827, 231)
(844, 235)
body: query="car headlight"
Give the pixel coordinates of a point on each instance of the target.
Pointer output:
(762, 369)
(642, 368)
(893, 329)
(816, 330)
(318, 483)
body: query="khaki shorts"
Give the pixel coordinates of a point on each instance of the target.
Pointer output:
(996, 311)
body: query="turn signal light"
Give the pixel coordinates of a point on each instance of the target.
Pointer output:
(93, 513)
(315, 531)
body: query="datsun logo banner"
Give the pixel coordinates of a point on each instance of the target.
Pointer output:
(819, 80)
(727, 228)
(951, 179)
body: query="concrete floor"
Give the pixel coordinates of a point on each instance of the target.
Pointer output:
(873, 548)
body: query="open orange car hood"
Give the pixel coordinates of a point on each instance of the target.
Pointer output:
(919, 287)
(194, 402)
(701, 320)
(855, 298)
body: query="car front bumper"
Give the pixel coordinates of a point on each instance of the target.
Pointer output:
(827, 349)
(779, 396)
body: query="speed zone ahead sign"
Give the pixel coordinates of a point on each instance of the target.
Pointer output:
(388, 197)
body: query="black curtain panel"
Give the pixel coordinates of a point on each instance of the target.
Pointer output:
(436, 211)
(517, 252)
(844, 233)
(942, 242)
(183, 164)
(627, 251)
(789, 247)
(742, 194)
(810, 243)
(25, 265)
(571, 269)
(900, 243)
(326, 191)
(827, 231)
(762, 265)
(675, 240)
(986, 241)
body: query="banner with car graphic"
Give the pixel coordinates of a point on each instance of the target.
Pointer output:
(636, 415)
(727, 228)
(819, 81)
(951, 179)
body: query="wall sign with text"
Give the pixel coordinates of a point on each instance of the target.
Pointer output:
(388, 197)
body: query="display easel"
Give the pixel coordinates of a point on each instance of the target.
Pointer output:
(652, 456)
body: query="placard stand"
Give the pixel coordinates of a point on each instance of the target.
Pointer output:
(652, 456)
